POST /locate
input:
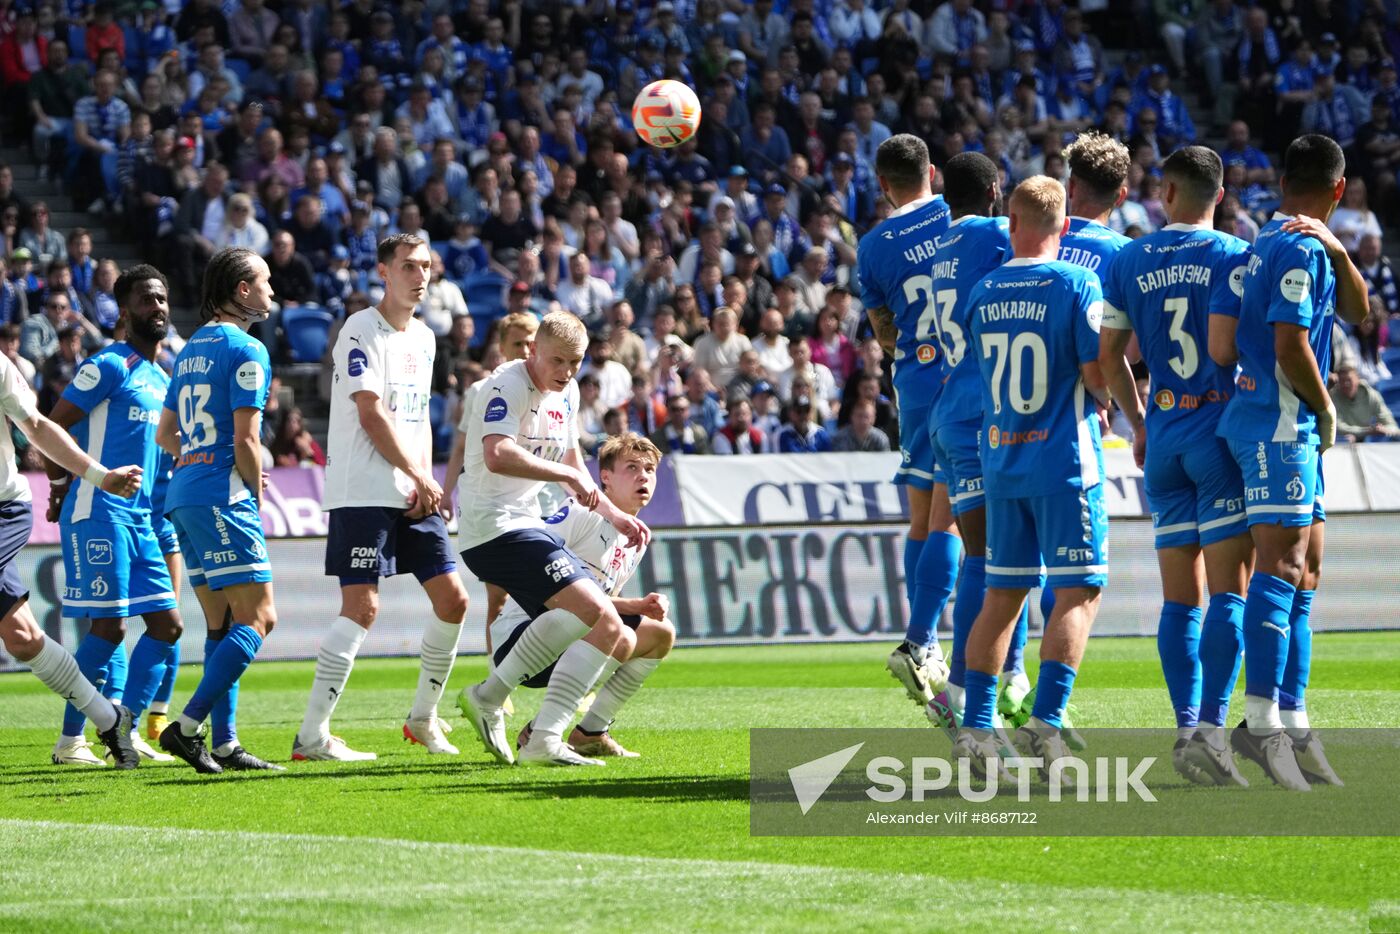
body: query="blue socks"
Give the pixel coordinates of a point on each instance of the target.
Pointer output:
(980, 700)
(1052, 687)
(93, 655)
(913, 551)
(1267, 609)
(223, 666)
(1222, 639)
(935, 576)
(972, 589)
(167, 681)
(1178, 645)
(114, 687)
(1299, 664)
(148, 666)
(1047, 604)
(1015, 663)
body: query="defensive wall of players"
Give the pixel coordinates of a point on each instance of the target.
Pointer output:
(776, 549)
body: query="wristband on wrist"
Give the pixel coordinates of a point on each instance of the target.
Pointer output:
(95, 474)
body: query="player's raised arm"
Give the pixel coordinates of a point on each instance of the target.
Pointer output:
(1353, 301)
(638, 535)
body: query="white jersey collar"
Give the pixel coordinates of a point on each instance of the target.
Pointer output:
(911, 206)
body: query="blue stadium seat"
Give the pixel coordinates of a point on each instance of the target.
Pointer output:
(1391, 356)
(240, 68)
(307, 331)
(1390, 391)
(484, 292)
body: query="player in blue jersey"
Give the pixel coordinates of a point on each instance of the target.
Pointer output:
(974, 244)
(211, 425)
(1098, 183)
(113, 567)
(1164, 288)
(1034, 326)
(1278, 423)
(892, 261)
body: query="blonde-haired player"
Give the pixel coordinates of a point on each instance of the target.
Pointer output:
(627, 471)
(521, 436)
(1034, 325)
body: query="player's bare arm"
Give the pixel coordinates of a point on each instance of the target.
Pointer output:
(65, 415)
(57, 445)
(1221, 340)
(168, 433)
(503, 456)
(1295, 358)
(882, 323)
(1095, 382)
(247, 448)
(375, 421)
(1352, 297)
(628, 524)
(454, 470)
(652, 606)
(1113, 363)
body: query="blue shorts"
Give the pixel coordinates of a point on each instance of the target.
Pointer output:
(955, 447)
(165, 534)
(1282, 482)
(365, 543)
(16, 522)
(918, 468)
(1196, 497)
(113, 571)
(531, 565)
(1060, 540)
(540, 679)
(223, 545)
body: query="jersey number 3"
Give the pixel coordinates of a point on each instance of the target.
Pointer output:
(196, 425)
(1188, 361)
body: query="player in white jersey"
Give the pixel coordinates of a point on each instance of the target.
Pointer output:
(383, 502)
(19, 630)
(627, 472)
(515, 333)
(524, 435)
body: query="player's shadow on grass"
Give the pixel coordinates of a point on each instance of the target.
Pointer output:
(653, 787)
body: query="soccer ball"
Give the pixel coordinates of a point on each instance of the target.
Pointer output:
(666, 113)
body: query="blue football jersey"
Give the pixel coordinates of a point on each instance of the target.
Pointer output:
(971, 247)
(221, 370)
(893, 262)
(122, 393)
(1033, 323)
(1165, 286)
(1288, 279)
(1091, 245)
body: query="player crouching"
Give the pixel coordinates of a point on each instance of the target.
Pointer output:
(627, 467)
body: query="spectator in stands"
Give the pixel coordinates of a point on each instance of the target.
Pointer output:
(9, 346)
(54, 92)
(831, 347)
(747, 375)
(1238, 151)
(644, 411)
(801, 435)
(590, 413)
(198, 224)
(705, 409)
(241, 228)
(442, 302)
(679, 435)
(816, 376)
(43, 242)
(508, 231)
(867, 386)
(103, 301)
(293, 445)
(614, 381)
(1353, 218)
(60, 368)
(1366, 340)
(628, 348)
(860, 434)
(772, 345)
(313, 236)
(80, 261)
(719, 351)
(1232, 219)
(251, 30)
(1335, 110)
(583, 293)
(1378, 272)
(293, 280)
(453, 352)
(1362, 414)
(100, 125)
(740, 435)
(808, 284)
(22, 56)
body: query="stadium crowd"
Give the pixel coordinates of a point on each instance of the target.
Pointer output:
(717, 280)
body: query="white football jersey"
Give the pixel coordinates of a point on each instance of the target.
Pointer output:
(542, 423)
(397, 366)
(18, 404)
(593, 540)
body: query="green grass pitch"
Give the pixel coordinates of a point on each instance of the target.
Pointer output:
(418, 843)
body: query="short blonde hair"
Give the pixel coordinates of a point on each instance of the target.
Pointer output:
(627, 445)
(520, 320)
(1039, 201)
(563, 327)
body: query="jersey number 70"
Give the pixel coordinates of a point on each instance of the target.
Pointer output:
(1007, 355)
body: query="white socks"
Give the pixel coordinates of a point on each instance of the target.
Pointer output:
(439, 651)
(1295, 722)
(575, 673)
(59, 672)
(615, 692)
(159, 707)
(333, 663)
(1261, 715)
(543, 641)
